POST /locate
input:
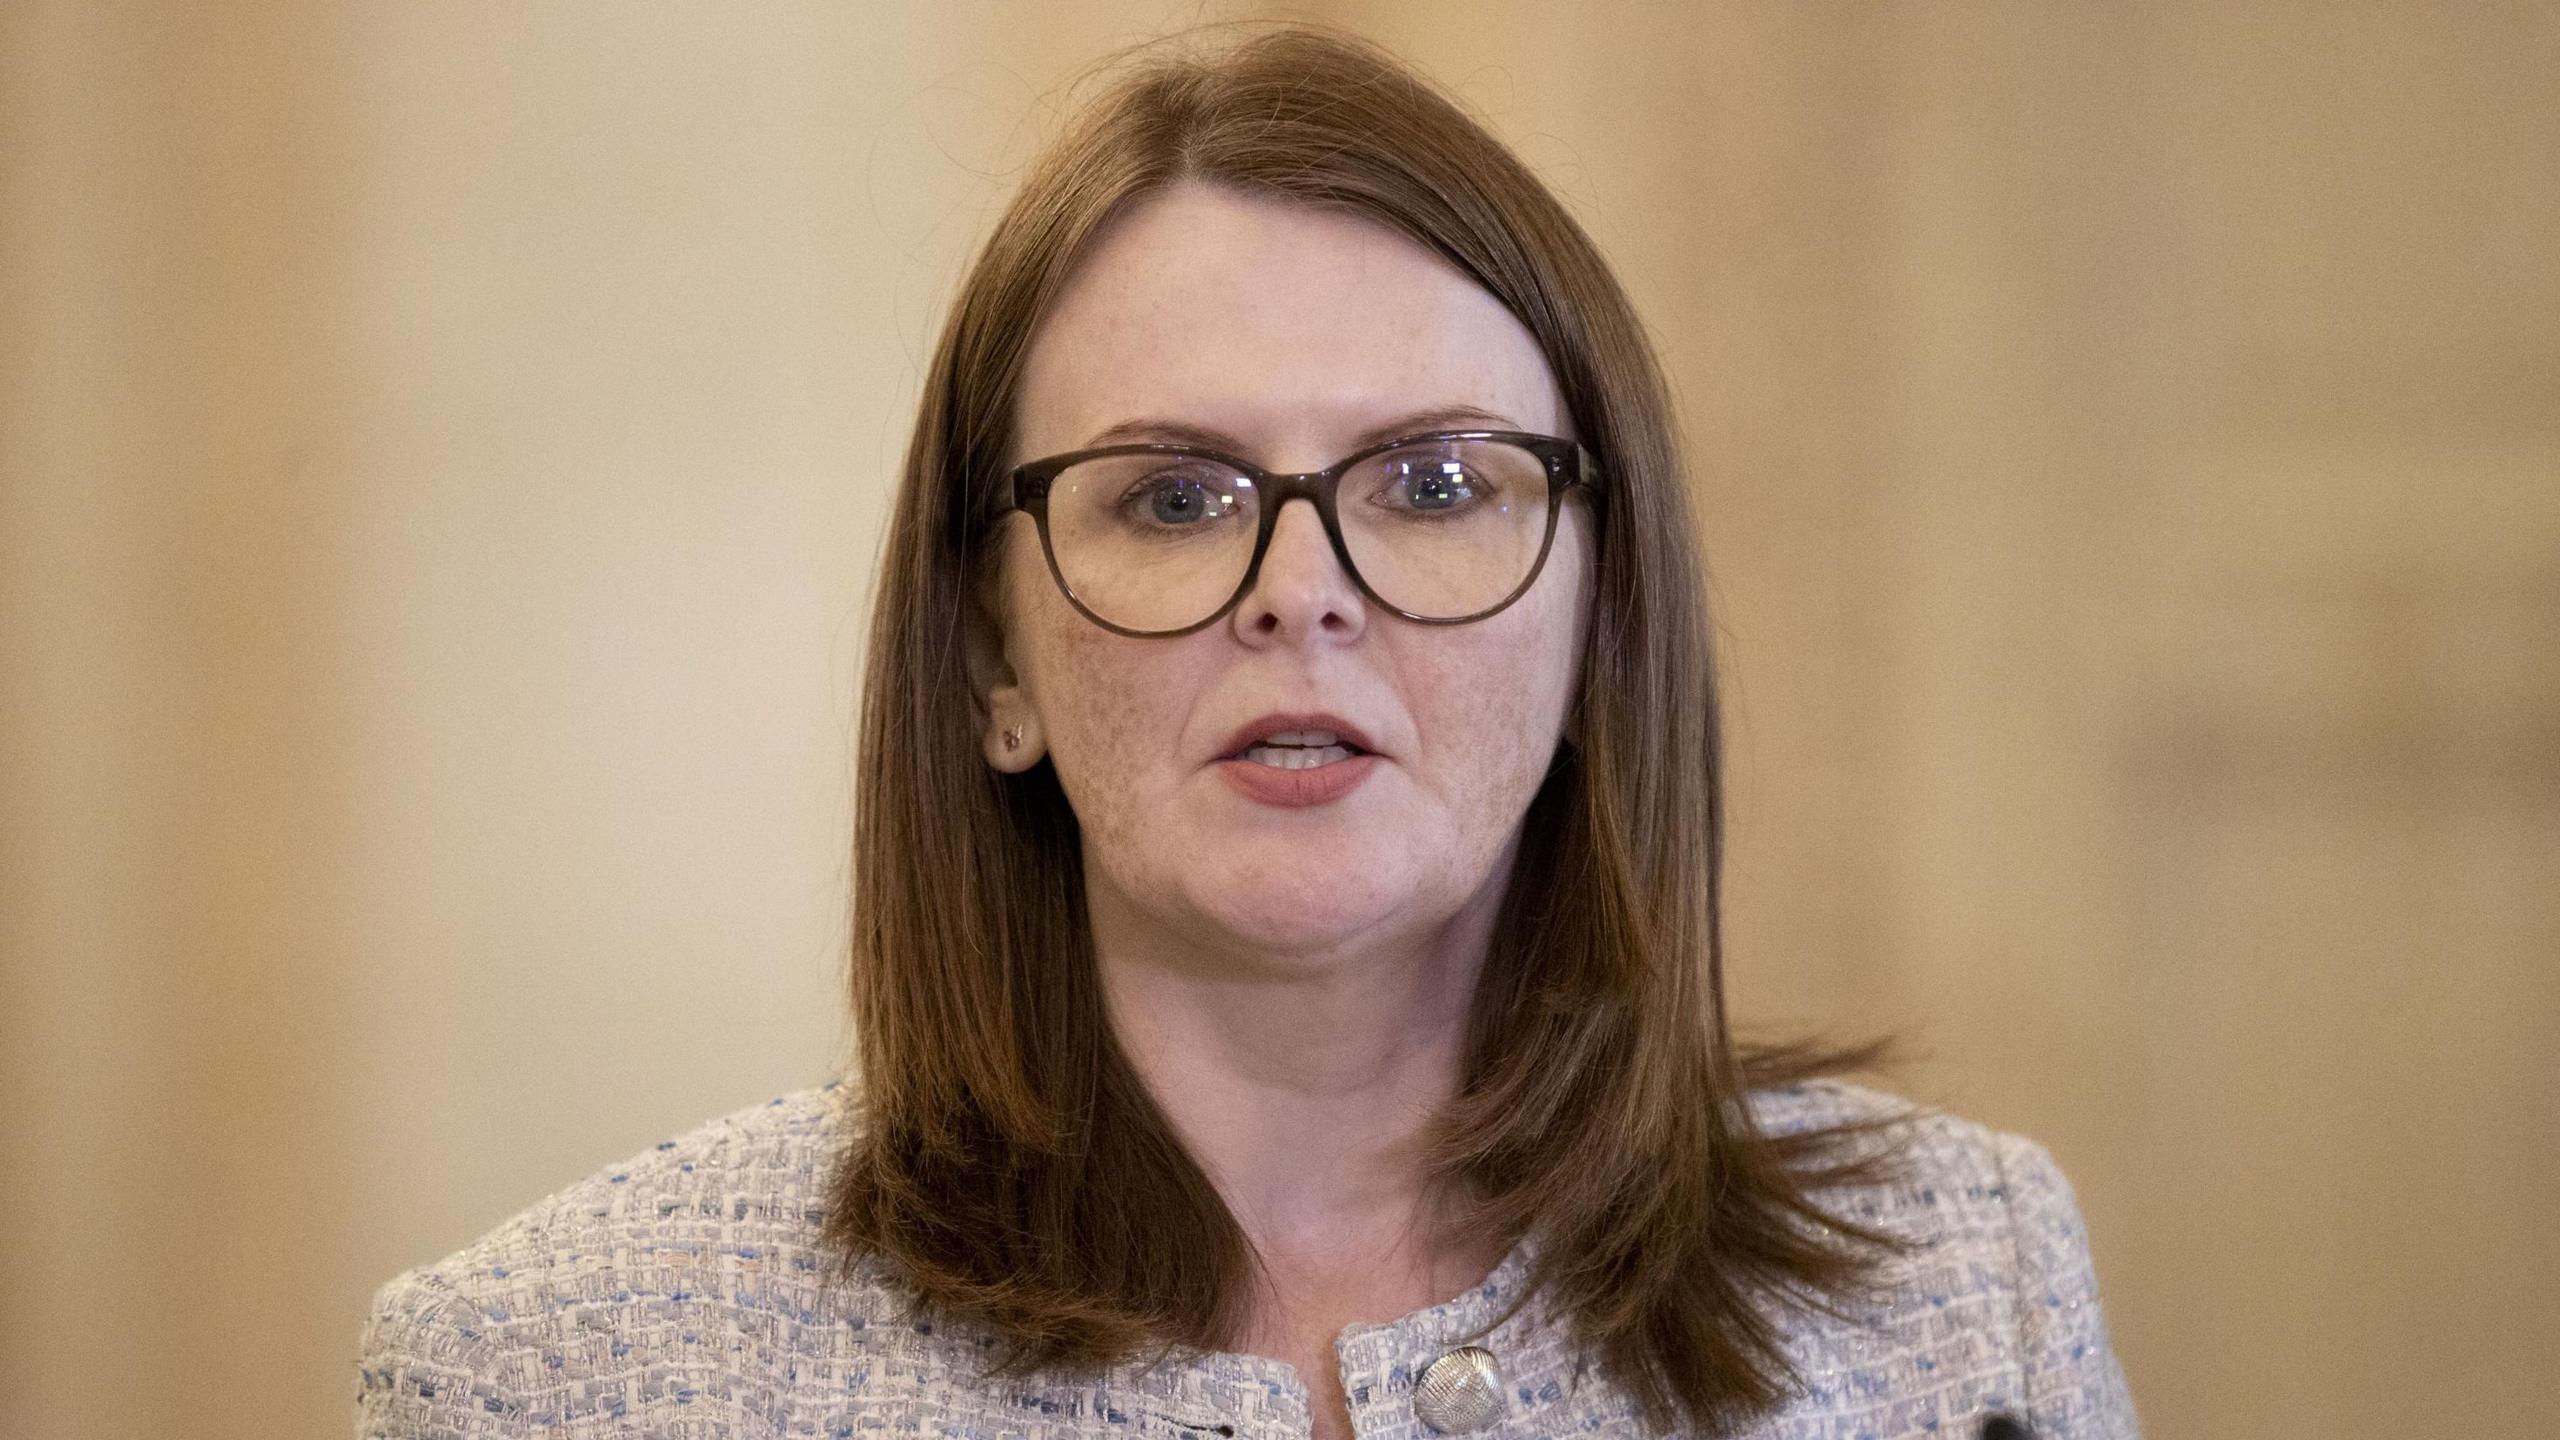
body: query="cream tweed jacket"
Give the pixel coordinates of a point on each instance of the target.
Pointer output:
(678, 1295)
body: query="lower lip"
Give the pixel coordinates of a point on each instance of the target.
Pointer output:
(1314, 785)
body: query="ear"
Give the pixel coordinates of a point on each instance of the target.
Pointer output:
(1009, 733)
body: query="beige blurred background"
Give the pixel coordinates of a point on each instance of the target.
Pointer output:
(445, 450)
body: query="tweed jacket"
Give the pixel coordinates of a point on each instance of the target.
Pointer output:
(678, 1294)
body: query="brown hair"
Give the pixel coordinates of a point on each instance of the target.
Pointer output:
(1009, 1159)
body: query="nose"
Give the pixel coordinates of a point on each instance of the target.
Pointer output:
(1301, 591)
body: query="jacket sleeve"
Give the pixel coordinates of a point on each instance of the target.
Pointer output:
(429, 1367)
(2075, 1389)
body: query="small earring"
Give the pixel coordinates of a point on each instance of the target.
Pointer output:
(1012, 738)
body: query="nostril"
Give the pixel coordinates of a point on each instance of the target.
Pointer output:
(1300, 583)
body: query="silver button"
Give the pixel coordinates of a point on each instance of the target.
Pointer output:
(1461, 1391)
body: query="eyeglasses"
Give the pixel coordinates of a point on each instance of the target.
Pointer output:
(1440, 529)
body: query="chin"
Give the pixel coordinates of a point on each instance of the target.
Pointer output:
(1309, 907)
(1298, 932)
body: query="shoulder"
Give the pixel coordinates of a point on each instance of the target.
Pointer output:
(1995, 1304)
(1945, 1161)
(750, 1162)
(585, 1304)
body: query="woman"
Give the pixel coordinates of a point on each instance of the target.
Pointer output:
(1286, 965)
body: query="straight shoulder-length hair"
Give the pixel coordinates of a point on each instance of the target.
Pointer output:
(1006, 1157)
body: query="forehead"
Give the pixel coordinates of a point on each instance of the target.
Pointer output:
(1285, 325)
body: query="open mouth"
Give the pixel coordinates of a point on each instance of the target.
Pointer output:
(1299, 750)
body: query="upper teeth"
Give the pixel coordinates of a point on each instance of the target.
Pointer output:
(1296, 757)
(1297, 749)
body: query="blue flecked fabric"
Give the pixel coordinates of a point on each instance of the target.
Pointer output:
(678, 1294)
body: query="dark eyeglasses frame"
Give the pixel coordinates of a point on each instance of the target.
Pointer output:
(1568, 465)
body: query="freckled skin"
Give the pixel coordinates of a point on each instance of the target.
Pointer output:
(1294, 330)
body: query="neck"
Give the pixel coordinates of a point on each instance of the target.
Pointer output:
(1302, 1084)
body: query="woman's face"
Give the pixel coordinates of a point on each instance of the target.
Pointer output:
(1294, 334)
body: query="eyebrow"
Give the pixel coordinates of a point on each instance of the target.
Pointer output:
(1178, 432)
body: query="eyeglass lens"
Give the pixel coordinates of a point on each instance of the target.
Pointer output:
(1442, 529)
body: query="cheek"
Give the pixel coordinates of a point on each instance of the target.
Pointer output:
(1539, 654)
(1112, 711)
(1492, 706)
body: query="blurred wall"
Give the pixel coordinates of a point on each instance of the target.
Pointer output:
(442, 457)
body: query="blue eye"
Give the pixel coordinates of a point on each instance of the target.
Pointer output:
(1181, 498)
(1428, 486)
(1438, 490)
(1178, 502)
